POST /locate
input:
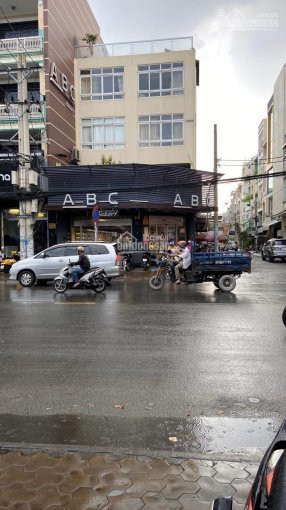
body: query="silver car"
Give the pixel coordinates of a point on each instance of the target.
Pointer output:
(274, 249)
(46, 265)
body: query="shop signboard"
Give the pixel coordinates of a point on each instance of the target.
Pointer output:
(131, 186)
(6, 185)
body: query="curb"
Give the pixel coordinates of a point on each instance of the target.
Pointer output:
(58, 449)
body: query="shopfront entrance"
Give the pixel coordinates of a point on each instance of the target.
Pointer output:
(109, 230)
(164, 229)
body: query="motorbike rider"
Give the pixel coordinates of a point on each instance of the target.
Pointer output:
(84, 266)
(185, 261)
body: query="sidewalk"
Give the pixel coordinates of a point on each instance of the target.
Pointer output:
(39, 481)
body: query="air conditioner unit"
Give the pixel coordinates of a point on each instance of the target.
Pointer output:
(33, 178)
(15, 178)
(74, 155)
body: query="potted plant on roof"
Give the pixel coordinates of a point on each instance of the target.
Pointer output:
(91, 40)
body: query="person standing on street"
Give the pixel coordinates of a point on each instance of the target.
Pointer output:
(185, 261)
(84, 266)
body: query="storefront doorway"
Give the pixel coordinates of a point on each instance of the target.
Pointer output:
(109, 230)
(164, 228)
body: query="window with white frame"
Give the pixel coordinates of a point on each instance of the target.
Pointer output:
(103, 133)
(101, 83)
(161, 130)
(161, 79)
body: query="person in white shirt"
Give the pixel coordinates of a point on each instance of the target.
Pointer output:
(185, 261)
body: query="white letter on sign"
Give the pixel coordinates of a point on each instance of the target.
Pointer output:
(195, 200)
(112, 202)
(90, 199)
(68, 200)
(178, 200)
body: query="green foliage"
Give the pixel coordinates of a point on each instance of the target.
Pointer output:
(90, 38)
(247, 198)
(107, 160)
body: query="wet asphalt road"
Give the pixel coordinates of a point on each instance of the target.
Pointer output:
(189, 361)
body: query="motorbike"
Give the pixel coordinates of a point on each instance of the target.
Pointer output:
(165, 268)
(146, 261)
(7, 262)
(127, 262)
(94, 279)
(268, 491)
(284, 316)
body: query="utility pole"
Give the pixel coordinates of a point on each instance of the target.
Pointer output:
(26, 206)
(215, 192)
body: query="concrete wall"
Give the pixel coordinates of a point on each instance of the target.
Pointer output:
(132, 106)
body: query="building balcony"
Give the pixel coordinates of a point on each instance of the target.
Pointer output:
(15, 46)
(134, 47)
(9, 117)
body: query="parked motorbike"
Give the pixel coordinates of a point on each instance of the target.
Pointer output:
(94, 279)
(127, 262)
(284, 316)
(268, 491)
(146, 261)
(7, 262)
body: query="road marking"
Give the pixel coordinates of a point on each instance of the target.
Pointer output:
(76, 303)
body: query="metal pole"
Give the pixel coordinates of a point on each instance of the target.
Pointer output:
(25, 206)
(215, 192)
(95, 232)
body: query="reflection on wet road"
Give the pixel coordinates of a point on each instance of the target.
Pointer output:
(190, 361)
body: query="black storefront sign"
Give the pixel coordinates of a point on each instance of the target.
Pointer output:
(6, 169)
(126, 186)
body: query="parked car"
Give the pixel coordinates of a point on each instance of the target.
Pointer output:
(46, 265)
(274, 249)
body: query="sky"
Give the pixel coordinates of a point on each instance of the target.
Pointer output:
(241, 46)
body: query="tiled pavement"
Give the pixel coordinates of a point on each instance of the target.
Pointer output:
(73, 482)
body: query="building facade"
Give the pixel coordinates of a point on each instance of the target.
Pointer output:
(262, 201)
(37, 37)
(136, 102)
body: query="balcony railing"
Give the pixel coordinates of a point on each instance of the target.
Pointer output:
(21, 45)
(134, 47)
(11, 113)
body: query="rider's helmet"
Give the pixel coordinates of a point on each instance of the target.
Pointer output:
(80, 249)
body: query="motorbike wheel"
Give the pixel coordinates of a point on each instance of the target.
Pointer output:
(60, 286)
(6, 269)
(156, 282)
(284, 316)
(99, 285)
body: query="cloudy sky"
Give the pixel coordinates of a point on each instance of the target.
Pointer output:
(238, 64)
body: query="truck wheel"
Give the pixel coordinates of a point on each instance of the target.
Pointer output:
(284, 316)
(156, 282)
(227, 283)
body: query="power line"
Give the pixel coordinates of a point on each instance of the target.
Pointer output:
(252, 164)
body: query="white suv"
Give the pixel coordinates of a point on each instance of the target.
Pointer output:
(46, 265)
(274, 249)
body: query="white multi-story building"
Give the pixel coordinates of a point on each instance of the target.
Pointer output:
(136, 102)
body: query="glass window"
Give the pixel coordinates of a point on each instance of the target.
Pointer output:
(161, 130)
(102, 83)
(103, 133)
(281, 242)
(161, 79)
(97, 249)
(70, 251)
(56, 252)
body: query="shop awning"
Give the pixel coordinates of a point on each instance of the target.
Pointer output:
(131, 186)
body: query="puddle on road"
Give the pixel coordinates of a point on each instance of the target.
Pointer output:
(200, 435)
